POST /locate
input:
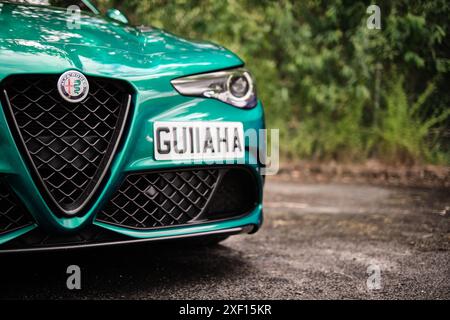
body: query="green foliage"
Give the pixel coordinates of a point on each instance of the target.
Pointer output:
(332, 86)
(402, 132)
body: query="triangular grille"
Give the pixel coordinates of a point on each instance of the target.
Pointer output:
(69, 145)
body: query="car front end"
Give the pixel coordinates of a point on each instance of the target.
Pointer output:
(116, 134)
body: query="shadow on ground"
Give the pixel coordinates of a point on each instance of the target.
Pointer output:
(148, 270)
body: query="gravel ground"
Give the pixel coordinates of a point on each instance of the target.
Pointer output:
(318, 242)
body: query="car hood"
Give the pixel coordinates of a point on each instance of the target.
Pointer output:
(37, 39)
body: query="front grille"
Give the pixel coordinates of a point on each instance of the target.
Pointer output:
(69, 145)
(178, 197)
(154, 200)
(13, 215)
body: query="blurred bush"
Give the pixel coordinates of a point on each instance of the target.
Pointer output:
(336, 89)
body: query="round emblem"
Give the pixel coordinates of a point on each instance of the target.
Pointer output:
(73, 86)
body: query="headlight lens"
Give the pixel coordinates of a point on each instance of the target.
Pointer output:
(235, 87)
(238, 85)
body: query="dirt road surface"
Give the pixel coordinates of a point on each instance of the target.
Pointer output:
(319, 241)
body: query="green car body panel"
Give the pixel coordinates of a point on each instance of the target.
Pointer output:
(36, 40)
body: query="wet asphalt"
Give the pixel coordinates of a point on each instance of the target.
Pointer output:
(319, 241)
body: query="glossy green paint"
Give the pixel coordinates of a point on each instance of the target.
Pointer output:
(16, 233)
(252, 219)
(37, 40)
(91, 6)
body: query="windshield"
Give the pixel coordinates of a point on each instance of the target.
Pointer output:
(82, 4)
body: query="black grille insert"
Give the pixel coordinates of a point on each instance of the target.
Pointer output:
(69, 145)
(13, 215)
(178, 197)
(236, 194)
(153, 200)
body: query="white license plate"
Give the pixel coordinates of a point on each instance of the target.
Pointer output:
(197, 140)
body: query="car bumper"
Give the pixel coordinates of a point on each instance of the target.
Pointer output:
(135, 155)
(219, 232)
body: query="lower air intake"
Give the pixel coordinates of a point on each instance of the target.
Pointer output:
(13, 215)
(172, 198)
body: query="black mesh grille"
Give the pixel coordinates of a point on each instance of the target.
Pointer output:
(161, 199)
(186, 196)
(236, 194)
(69, 144)
(13, 215)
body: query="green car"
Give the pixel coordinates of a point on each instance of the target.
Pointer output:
(116, 134)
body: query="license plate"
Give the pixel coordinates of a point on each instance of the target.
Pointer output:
(197, 140)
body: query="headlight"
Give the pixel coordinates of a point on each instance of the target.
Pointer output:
(235, 87)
